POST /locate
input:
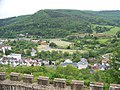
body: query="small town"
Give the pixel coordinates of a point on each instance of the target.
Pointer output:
(15, 59)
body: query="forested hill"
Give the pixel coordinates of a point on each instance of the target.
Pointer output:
(57, 23)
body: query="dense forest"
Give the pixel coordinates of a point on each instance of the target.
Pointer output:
(58, 23)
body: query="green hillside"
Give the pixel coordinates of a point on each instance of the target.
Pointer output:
(113, 31)
(57, 23)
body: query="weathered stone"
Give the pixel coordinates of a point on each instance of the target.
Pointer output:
(39, 88)
(114, 87)
(7, 87)
(22, 88)
(2, 76)
(28, 78)
(77, 85)
(43, 80)
(96, 86)
(43, 83)
(14, 76)
(28, 88)
(1, 86)
(12, 87)
(18, 87)
(60, 83)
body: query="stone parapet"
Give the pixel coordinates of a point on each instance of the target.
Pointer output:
(114, 87)
(77, 85)
(28, 78)
(27, 83)
(96, 86)
(43, 80)
(60, 83)
(14, 76)
(2, 76)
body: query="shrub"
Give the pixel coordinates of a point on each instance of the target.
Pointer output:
(87, 82)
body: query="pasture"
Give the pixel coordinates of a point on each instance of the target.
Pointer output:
(113, 31)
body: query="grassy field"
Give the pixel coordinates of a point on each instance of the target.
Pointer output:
(47, 48)
(68, 50)
(60, 43)
(113, 31)
(94, 25)
(102, 40)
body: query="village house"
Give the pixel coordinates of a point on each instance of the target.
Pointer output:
(1, 42)
(42, 42)
(82, 64)
(95, 66)
(35, 41)
(4, 48)
(14, 56)
(21, 35)
(105, 65)
(33, 52)
(31, 62)
(68, 62)
(12, 59)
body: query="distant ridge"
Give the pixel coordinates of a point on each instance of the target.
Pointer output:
(57, 23)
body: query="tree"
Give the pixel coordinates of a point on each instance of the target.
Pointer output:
(68, 47)
(7, 52)
(115, 65)
(118, 34)
(28, 52)
(52, 45)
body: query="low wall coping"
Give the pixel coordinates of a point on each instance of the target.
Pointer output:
(43, 78)
(77, 82)
(27, 76)
(115, 85)
(14, 74)
(2, 73)
(98, 84)
(60, 80)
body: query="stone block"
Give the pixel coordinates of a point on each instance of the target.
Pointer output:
(2, 76)
(96, 86)
(27, 78)
(43, 80)
(14, 76)
(60, 83)
(114, 87)
(77, 85)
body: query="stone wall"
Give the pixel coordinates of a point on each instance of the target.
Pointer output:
(114, 86)
(96, 86)
(77, 85)
(27, 83)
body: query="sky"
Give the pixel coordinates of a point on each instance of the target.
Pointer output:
(10, 8)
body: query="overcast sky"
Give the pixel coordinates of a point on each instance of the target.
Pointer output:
(10, 8)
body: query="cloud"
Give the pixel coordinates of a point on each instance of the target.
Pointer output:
(1, 2)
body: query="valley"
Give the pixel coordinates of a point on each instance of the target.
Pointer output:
(61, 43)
